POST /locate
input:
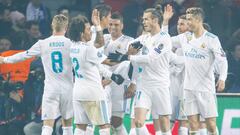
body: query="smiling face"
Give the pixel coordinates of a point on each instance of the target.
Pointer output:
(115, 27)
(195, 17)
(193, 22)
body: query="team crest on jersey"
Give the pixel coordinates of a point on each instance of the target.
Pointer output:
(159, 48)
(99, 54)
(119, 46)
(203, 45)
(189, 37)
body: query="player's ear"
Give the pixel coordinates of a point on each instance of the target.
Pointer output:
(155, 20)
(122, 25)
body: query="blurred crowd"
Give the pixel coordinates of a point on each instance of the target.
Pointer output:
(24, 22)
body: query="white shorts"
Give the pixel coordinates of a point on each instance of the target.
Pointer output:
(155, 99)
(198, 102)
(117, 95)
(132, 107)
(178, 112)
(107, 90)
(55, 105)
(91, 112)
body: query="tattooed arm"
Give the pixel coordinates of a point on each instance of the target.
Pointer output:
(99, 41)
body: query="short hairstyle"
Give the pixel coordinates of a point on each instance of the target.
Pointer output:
(156, 13)
(59, 22)
(77, 27)
(183, 17)
(117, 15)
(29, 24)
(196, 11)
(103, 9)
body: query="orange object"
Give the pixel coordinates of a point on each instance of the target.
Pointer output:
(17, 71)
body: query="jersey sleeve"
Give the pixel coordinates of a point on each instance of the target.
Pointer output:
(104, 71)
(163, 46)
(176, 41)
(94, 56)
(33, 51)
(220, 58)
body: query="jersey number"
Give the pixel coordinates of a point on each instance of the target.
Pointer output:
(57, 65)
(76, 68)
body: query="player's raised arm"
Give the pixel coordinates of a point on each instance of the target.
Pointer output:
(33, 51)
(99, 41)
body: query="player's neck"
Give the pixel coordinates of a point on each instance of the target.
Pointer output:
(58, 33)
(155, 31)
(117, 36)
(199, 32)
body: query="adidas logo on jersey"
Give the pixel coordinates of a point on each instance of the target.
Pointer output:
(159, 48)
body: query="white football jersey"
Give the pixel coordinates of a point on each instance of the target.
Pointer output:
(54, 52)
(156, 63)
(86, 61)
(120, 45)
(200, 56)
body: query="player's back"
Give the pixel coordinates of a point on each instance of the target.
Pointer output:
(85, 59)
(55, 54)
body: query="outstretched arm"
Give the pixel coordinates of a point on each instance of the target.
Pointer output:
(33, 51)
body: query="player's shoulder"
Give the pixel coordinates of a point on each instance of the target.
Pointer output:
(143, 36)
(125, 37)
(210, 35)
(163, 35)
(107, 37)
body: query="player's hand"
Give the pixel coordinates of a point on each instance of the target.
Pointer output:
(167, 14)
(131, 91)
(106, 82)
(117, 57)
(1, 60)
(118, 79)
(220, 85)
(96, 17)
(137, 45)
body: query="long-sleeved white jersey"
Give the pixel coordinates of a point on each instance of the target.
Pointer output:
(119, 45)
(54, 52)
(201, 54)
(155, 64)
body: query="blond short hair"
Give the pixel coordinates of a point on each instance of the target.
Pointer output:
(59, 23)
